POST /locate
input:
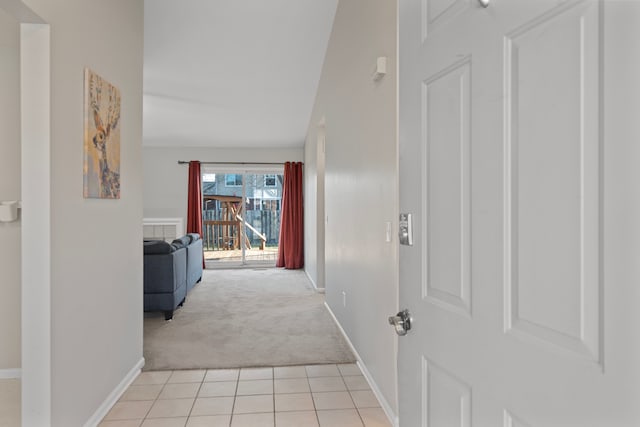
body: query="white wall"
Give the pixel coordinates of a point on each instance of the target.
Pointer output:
(165, 181)
(361, 182)
(311, 211)
(9, 190)
(314, 213)
(96, 245)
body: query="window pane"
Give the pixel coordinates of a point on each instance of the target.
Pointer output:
(233, 180)
(259, 230)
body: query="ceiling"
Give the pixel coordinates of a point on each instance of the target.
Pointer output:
(232, 73)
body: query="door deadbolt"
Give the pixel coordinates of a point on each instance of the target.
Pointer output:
(401, 322)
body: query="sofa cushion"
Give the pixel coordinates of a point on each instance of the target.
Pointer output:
(152, 247)
(182, 242)
(194, 237)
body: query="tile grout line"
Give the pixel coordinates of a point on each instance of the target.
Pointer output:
(273, 389)
(196, 397)
(315, 409)
(351, 397)
(146, 413)
(156, 399)
(235, 397)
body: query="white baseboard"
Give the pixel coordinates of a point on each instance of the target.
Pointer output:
(115, 395)
(313, 283)
(10, 374)
(393, 418)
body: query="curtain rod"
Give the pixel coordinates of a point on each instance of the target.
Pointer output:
(184, 162)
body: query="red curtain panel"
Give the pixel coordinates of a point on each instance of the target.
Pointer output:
(194, 200)
(291, 250)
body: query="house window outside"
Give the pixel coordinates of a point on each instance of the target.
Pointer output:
(252, 204)
(271, 205)
(233, 180)
(270, 181)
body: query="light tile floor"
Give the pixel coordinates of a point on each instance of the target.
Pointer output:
(296, 396)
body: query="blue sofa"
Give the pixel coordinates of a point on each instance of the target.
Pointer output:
(193, 243)
(171, 270)
(165, 276)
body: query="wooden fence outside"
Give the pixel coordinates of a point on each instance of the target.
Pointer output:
(221, 234)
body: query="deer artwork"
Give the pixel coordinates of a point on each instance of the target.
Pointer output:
(109, 179)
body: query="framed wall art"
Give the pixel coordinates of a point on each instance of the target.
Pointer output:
(101, 138)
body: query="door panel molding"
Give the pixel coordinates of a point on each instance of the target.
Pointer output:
(436, 13)
(513, 421)
(446, 400)
(553, 180)
(446, 164)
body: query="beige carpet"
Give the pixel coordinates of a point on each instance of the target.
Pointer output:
(240, 318)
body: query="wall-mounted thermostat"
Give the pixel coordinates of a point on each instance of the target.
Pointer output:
(406, 229)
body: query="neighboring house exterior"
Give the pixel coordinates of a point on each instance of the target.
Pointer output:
(263, 191)
(263, 201)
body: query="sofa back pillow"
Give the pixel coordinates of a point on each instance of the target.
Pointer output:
(152, 247)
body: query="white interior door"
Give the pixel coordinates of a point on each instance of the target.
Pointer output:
(519, 161)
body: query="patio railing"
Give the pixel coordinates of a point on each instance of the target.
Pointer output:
(263, 229)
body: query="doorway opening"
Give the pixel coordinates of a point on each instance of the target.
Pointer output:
(241, 217)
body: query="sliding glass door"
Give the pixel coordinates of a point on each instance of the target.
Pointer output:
(241, 215)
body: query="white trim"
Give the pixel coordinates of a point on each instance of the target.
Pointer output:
(178, 223)
(313, 283)
(10, 374)
(35, 124)
(393, 418)
(113, 397)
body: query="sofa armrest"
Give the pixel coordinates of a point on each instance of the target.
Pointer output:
(164, 273)
(194, 263)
